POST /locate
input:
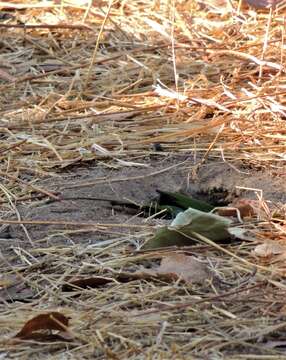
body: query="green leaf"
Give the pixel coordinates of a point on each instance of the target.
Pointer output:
(182, 230)
(165, 237)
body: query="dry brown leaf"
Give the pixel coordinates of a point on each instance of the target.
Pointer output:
(185, 267)
(244, 206)
(48, 321)
(43, 337)
(100, 281)
(269, 249)
(85, 283)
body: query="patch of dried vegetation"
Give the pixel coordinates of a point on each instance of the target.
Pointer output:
(125, 75)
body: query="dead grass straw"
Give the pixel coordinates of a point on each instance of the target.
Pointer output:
(126, 75)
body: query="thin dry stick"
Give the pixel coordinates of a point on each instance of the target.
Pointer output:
(97, 45)
(217, 246)
(83, 65)
(103, 117)
(176, 76)
(25, 198)
(60, 70)
(200, 129)
(9, 198)
(47, 26)
(108, 181)
(14, 6)
(72, 223)
(265, 43)
(248, 57)
(36, 188)
(193, 303)
(234, 102)
(88, 7)
(239, 7)
(204, 158)
(13, 146)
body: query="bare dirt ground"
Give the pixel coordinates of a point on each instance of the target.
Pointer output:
(216, 182)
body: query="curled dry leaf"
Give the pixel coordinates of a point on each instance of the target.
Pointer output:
(99, 281)
(244, 206)
(49, 321)
(187, 268)
(269, 249)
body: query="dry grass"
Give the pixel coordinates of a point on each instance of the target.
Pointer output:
(97, 77)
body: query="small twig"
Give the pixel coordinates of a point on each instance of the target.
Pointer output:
(83, 65)
(47, 26)
(132, 178)
(36, 188)
(250, 98)
(265, 43)
(219, 297)
(249, 57)
(210, 147)
(25, 5)
(71, 223)
(25, 198)
(13, 146)
(97, 44)
(191, 132)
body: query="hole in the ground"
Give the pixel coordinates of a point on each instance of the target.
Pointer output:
(215, 196)
(175, 202)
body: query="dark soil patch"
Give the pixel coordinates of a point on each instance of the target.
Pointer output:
(216, 182)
